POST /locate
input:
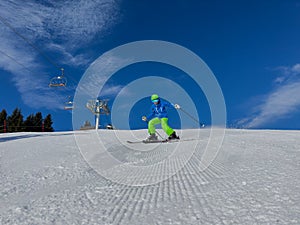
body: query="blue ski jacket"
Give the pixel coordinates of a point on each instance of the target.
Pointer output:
(159, 110)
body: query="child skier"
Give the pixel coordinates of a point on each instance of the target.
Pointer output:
(159, 115)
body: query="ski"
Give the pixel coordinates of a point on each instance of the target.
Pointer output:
(155, 141)
(160, 141)
(134, 142)
(147, 142)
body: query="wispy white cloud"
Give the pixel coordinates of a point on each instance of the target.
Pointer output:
(59, 28)
(68, 58)
(78, 22)
(282, 102)
(100, 71)
(111, 90)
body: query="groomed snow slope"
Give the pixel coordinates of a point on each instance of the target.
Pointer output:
(44, 179)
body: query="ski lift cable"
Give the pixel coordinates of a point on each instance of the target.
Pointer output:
(20, 64)
(63, 83)
(16, 61)
(4, 21)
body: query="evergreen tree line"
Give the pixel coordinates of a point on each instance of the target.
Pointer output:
(16, 123)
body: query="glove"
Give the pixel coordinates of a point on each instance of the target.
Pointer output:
(177, 106)
(144, 118)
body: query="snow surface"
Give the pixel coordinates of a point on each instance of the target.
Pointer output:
(45, 179)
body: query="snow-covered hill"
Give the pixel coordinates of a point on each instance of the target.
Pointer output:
(45, 178)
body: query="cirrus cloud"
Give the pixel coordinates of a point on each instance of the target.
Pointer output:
(32, 29)
(282, 102)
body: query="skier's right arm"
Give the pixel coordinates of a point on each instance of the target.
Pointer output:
(151, 115)
(176, 106)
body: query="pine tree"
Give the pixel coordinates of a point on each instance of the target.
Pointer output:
(3, 117)
(48, 124)
(37, 121)
(29, 123)
(15, 121)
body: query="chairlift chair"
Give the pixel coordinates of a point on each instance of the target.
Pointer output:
(69, 105)
(58, 81)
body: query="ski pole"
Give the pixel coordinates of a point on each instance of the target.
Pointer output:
(155, 131)
(159, 134)
(193, 118)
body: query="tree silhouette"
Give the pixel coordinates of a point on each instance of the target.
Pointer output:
(38, 120)
(15, 121)
(87, 126)
(48, 123)
(3, 117)
(29, 123)
(33, 123)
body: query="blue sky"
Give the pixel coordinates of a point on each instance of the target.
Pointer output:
(252, 47)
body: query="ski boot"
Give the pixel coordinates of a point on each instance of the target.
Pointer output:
(173, 136)
(152, 137)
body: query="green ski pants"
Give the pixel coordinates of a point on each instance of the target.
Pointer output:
(164, 125)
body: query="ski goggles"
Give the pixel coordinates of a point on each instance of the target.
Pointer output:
(155, 100)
